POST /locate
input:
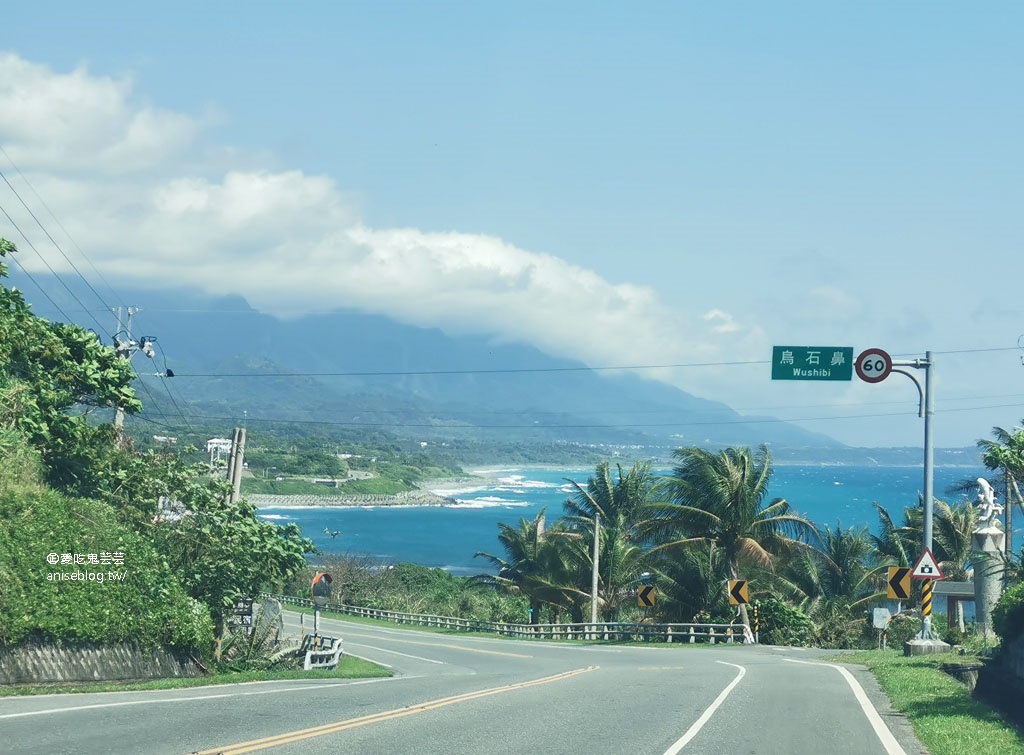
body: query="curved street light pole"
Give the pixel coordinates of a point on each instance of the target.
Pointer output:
(926, 408)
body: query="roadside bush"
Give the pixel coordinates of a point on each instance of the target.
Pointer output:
(784, 625)
(902, 627)
(836, 626)
(1008, 613)
(81, 601)
(411, 588)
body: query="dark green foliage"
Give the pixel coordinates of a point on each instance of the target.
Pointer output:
(70, 485)
(782, 624)
(149, 606)
(903, 627)
(223, 552)
(410, 588)
(1008, 613)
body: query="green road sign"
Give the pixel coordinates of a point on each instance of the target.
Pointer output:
(812, 363)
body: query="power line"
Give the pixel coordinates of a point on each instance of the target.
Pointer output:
(52, 271)
(32, 188)
(522, 370)
(53, 241)
(576, 426)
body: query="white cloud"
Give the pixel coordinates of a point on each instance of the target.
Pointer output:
(80, 122)
(721, 322)
(288, 241)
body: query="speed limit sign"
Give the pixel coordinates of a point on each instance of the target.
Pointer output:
(873, 365)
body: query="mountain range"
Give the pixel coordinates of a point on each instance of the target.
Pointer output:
(359, 370)
(371, 375)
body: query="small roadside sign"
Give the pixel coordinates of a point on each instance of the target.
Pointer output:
(927, 567)
(812, 363)
(880, 618)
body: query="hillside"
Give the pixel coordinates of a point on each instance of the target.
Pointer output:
(368, 372)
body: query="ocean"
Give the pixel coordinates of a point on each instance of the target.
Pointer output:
(448, 537)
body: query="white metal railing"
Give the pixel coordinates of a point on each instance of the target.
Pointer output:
(609, 632)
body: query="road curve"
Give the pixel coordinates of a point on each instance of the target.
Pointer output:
(467, 694)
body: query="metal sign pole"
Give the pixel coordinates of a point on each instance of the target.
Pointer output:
(926, 409)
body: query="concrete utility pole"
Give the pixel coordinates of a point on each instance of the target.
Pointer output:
(594, 573)
(236, 464)
(126, 346)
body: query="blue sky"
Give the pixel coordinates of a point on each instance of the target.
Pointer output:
(625, 184)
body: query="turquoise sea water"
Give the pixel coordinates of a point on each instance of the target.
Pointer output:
(448, 537)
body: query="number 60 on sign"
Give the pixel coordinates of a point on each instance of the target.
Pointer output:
(873, 365)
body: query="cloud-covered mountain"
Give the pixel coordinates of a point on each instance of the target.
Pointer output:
(360, 370)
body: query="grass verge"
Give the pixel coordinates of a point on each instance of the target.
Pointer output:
(945, 717)
(349, 668)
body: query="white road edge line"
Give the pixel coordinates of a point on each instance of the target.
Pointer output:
(193, 698)
(684, 740)
(892, 747)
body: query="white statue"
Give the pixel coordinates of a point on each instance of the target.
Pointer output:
(987, 506)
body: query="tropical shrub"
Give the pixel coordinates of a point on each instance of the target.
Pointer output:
(1008, 613)
(781, 624)
(84, 601)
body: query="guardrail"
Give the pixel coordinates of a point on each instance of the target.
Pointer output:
(609, 632)
(321, 652)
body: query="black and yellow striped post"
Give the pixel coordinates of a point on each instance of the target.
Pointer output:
(926, 598)
(757, 625)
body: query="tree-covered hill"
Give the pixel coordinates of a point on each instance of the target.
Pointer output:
(79, 500)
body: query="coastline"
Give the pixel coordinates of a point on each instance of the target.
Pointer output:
(434, 492)
(406, 498)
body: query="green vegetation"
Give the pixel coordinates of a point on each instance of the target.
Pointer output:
(292, 470)
(708, 522)
(1008, 614)
(149, 606)
(945, 717)
(78, 502)
(410, 588)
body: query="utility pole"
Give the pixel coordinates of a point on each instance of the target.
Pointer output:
(926, 641)
(236, 464)
(594, 574)
(126, 346)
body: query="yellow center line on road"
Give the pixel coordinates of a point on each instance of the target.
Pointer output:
(352, 723)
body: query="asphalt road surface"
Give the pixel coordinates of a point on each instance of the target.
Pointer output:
(455, 694)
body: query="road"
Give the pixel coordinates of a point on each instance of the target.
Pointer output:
(464, 694)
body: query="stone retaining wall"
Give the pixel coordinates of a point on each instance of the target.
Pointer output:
(1001, 682)
(41, 663)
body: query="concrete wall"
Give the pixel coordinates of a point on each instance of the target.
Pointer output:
(40, 663)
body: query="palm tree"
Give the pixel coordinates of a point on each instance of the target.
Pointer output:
(620, 501)
(1005, 454)
(952, 541)
(899, 544)
(834, 582)
(689, 583)
(530, 557)
(719, 499)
